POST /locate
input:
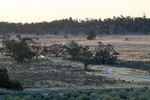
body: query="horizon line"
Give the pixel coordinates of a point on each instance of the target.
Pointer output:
(78, 19)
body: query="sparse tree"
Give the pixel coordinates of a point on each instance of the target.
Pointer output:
(73, 49)
(18, 36)
(104, 54)
(21, 49)
(91, 35)
(57, 50)
(65, 36)
(80, 53)
(85, 56)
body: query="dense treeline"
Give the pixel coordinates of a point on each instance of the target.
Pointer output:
(106, 94)
(115, 25)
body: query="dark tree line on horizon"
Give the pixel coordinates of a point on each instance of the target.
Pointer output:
(115, 25)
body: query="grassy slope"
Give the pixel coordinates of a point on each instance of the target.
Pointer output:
(136, 49)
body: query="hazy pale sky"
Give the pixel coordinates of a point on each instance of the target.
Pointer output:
(48, 10)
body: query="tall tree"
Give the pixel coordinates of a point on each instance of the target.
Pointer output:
(24, 48)
(104, 54)
(85, 56)
(73, 49)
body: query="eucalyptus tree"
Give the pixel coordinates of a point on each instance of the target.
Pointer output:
(22, 49)
(104, 54)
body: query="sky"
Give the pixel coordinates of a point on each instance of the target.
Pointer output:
(49, 10)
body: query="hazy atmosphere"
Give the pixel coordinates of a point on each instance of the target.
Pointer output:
(48, 10)
(75, 50)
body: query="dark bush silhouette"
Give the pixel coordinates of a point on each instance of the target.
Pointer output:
(105, 54)
(4, 79)
(73, 50)
(22, 49)
(9, 84)
(15, 85)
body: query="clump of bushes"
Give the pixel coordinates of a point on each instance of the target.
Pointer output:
(8, 84)
(103, 94)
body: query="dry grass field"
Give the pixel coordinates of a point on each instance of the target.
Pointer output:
(136, 48)
(54, 76)
(51, 75)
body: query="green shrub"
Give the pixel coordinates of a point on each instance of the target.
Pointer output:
(83, 97)
(6, 83)
(106, 94)
(15, 85)
(94, 95)
(27, 98)
(123, 94)
(116, 98)
(72, 98)
(36, 95)
(47, 98)
(17, 98)
(67, 94)
(53, 93)
(4, 79)
(107, 97)
(74, 94)
(64, 98)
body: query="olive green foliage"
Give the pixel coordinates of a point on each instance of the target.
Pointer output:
(73, 49)
(9, 84)
(85, 56)
(103, 94)
(56, 50)
(25, 96)
(21, 49)
(104, 54)
(54, 95)
(80, 53)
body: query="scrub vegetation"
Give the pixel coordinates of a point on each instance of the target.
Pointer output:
(61, 55)
(103, 94)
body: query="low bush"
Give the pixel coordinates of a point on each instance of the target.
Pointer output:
(104, 94)
(6, 83)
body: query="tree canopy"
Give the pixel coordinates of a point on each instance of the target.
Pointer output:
(104, 54)
(101, 54)
(21, 49)
(5, 82)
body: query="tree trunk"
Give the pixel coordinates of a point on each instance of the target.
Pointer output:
(36, 56)
(85, 66)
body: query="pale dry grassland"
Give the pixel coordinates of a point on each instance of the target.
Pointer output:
(41, 76)
(132, 72)
(137, 48)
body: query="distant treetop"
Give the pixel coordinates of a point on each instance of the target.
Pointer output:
(115, 25)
